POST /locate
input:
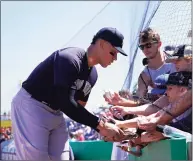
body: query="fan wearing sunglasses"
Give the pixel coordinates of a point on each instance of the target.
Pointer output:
(149, 43)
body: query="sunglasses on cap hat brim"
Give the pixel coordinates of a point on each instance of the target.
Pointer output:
(172, 59)
(157, 91)
(169, 57)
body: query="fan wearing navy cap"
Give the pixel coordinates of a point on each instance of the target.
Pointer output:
(177, 84)
(61, 84)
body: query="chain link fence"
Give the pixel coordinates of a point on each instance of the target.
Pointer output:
(173, 21)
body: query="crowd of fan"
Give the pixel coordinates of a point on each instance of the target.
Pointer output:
(79, 132)
(5, 133)
(165, 82)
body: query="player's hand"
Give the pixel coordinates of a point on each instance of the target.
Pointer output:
(111, 132)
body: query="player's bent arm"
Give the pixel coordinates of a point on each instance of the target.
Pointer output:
(73, 109)
(82, 103)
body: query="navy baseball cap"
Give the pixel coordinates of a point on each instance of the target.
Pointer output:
(156, 91)
(182, 78)
(160, 83)
(113, 36)
(182, 51)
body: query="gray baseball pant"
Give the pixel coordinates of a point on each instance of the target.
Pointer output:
(40, 133)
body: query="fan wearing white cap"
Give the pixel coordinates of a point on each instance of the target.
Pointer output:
(181, 56)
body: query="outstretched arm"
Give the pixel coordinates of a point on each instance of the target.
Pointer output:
(177, 108)
(163, 117)
(144, 110)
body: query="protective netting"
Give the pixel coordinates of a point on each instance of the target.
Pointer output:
(172, 20)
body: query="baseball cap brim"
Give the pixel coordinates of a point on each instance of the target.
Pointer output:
(158, 91)
(121, 50)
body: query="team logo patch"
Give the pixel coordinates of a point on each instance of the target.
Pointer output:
(86, 89)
